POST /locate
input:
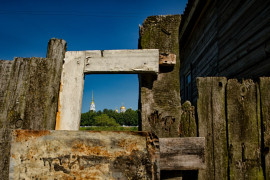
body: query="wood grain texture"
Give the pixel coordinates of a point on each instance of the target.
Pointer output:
(160, 101)
(244, 130)
(182, 153)
(265, 112)
(229, 38)
(212, 126)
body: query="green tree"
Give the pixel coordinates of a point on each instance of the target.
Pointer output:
(87, 119)
(104, 120)
(130, 117)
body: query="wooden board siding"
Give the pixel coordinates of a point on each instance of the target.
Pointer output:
(229, 38)
(242, 37)
(200, 50)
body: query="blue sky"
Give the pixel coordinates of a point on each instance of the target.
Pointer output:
(27, 25)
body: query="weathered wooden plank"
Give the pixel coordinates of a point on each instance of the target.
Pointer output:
(244, 130)
(161, 112)
(160, 103)
(265, 112)
(69, 107)
(122, 61)
(245, 53)
(182, 153)
(212, 126)
(83, 155)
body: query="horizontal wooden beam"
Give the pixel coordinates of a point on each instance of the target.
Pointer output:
(122, 61)
(182, 153)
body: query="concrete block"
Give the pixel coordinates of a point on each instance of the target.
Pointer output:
(83, 155)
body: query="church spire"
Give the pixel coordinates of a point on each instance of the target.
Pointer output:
(92, 97)
(92, 106)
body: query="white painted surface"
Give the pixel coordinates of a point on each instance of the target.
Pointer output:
(71, 93)
(122, 61)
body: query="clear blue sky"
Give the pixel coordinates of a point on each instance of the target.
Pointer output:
(27, 25)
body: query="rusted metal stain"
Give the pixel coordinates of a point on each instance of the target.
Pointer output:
(57, 124)
(167, 59)
(82, 155)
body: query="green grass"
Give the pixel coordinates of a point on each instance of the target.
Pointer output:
(109, 128)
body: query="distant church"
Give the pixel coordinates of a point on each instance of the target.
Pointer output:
(122, 109)
(92, 106)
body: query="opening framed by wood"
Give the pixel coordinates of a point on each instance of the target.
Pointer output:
(79, 63)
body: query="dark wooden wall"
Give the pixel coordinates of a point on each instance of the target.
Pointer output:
(225, 38)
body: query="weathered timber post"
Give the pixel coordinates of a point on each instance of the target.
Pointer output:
(212, 126)
(244, 130)
(160, 94)
(160, 103)
(56, 51)
(29, 90)
(265, 118)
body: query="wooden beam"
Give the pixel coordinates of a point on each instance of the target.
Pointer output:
(182, 153)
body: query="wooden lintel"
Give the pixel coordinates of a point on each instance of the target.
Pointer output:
(186, 153)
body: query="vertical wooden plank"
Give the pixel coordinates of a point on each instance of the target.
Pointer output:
(69, 104)
(212, 126)
(265, 112)
(244, 130)
(160, 103)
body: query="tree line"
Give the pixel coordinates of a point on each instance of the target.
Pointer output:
(109, 117)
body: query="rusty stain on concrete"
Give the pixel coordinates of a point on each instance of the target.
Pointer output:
(83, 155)
(25, 135)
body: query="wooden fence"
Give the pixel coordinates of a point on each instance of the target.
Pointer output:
(234, 117)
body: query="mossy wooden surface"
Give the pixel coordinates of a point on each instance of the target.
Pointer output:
(160, 94)
(160, 103)
(265, 112)
(244, 129)
(212, 126)
(188, 127)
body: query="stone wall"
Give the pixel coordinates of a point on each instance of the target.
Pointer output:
(29, 89)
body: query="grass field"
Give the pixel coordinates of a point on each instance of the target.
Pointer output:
(109, 128)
